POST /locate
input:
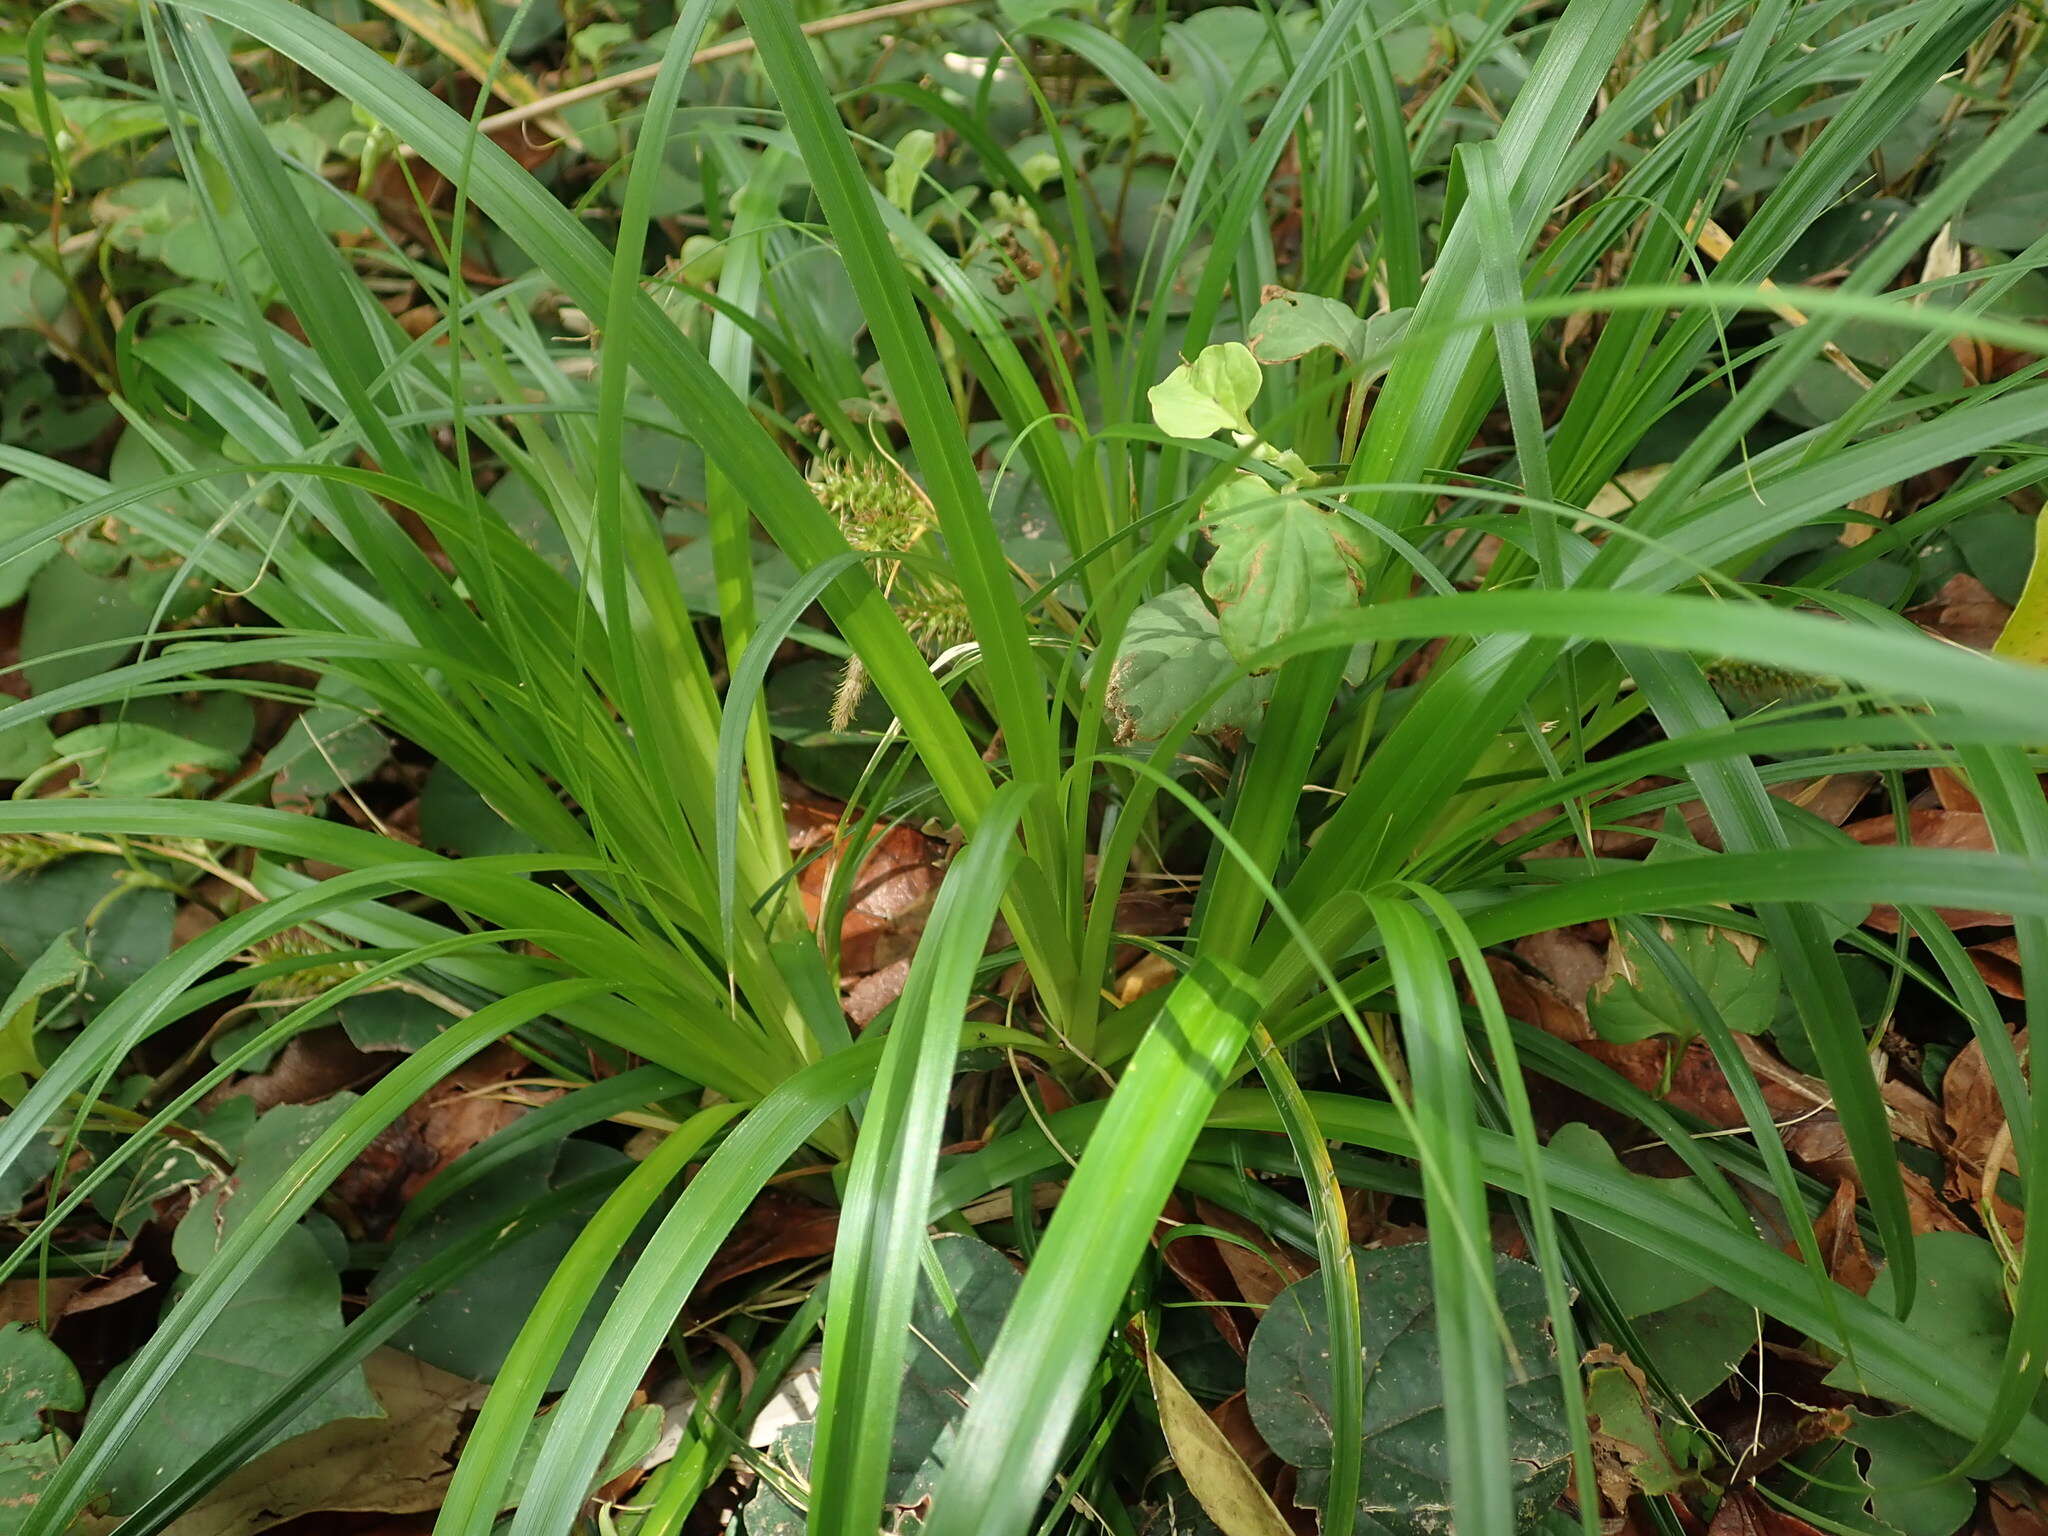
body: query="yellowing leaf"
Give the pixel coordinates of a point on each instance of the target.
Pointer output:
(2025, 636)
(1625, 490)
(1210, 394)
(1217, 1476)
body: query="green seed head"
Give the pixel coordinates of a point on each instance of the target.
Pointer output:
(1756, 684)
(308, 982)
(23, 853)
(878, 506)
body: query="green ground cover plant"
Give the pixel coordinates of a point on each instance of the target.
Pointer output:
(1211, 768)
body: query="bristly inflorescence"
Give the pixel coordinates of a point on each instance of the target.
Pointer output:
(1755, 685)
(882, 510)
(309, 981)
(23, 853)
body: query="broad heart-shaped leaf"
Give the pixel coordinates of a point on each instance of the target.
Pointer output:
(1694, 1333)
(123, 928)
(24, 505)
(31, 295)
(1291, 325)
(36, 1377)
(472, 1321)
(1912, 1461)
(267, 1150)
(1406, 1466)
(2010, 213)
(127, 757)
(1279, 568)
(1172, 655)
(283, 1318)
(58, 967)
(1960, 1308)
(386, 1019)
(788, 1460)
(1637, 1000)
(456, 819)
(948, 1340)
(327, 748)
(25, 748)
(1210, 394)
(24, 1469)
(28, 1170)
(913, 153)
(1908, 1488)
(70, 606)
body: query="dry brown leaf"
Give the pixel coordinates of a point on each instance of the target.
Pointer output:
(1537, 1000)
(1196, 1260)
(1748, 1513)
(1963, 611)
(1998, 962)
(1261, 1272)
(467, 1106)
(1151, 972)
(870, 994)
(23, 1301)
(1832, 798)
(1841, 1241)
(2015, 1510)
(1800, 1105)
(1623, 492)
(777, 1228)
(891, 895)
(1216, 1474)
(1953, 791)
(394, 1465)
(310, 1067)
(1932, 827)
(119, 1286)
(1925, 1208)
(1876, 504)
(1568, 956)
(1974, 1115)
(1549, 988)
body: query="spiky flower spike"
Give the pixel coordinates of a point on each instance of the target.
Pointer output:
(309, 982)
(882, 510)
(1753, 685)
(878, 505)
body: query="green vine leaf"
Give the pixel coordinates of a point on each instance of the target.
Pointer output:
(1171, 657)
(1280, 565)
(1209, 395)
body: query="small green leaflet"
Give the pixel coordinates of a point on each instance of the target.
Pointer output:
(1209, 395)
